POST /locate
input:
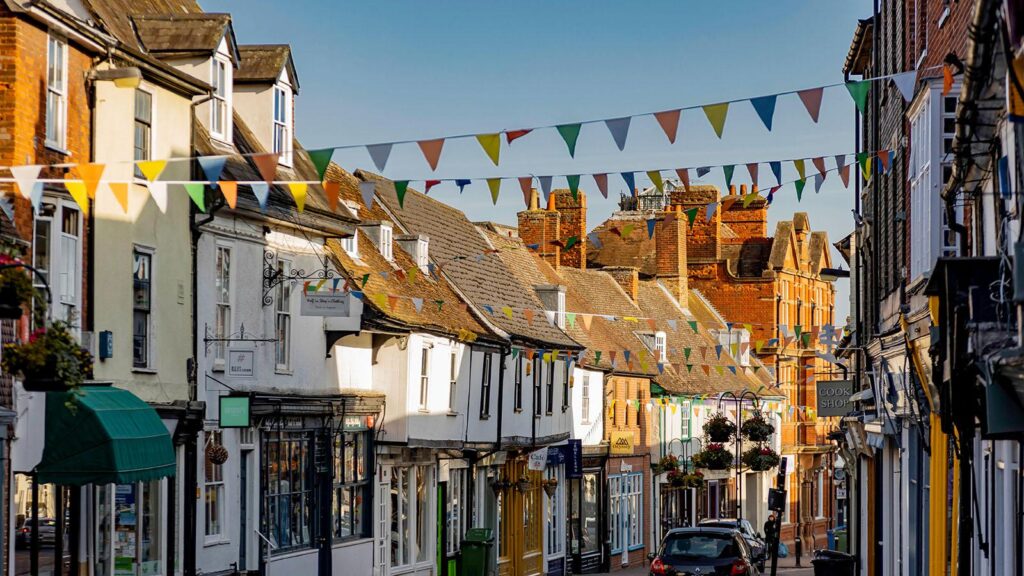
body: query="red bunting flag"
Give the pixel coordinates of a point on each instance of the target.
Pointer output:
(331, 191)
(752, 168)
(511, 135)
(529, 316)
(669, 122)
(684, 177)
(429, 184)
(266, 164)
(431, 151)
(602, 183)
(819, 163)
(812, 101)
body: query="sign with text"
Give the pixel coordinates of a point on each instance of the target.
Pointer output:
(234, 412)
(537, 460)
(324, 300)
(574, 458)
(622, 443)
(241, 363)
(834, 397)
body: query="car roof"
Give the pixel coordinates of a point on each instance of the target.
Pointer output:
(702, 530)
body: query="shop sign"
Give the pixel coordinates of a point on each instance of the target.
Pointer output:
(574, 458)
(537, 460)
(354, 423)
(834, 397)
(324, 302)
(840, 493)
(241, 363)
(234, 412)
(622, 443)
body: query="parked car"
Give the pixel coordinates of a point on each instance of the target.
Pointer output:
(704, 551)
(47, 532)
(755, 539)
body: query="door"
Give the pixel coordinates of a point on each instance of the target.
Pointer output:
(243, 510)
(585, 524)
(383, 535)
(521, 527)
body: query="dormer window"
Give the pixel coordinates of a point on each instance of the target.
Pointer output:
(384, 244)
(553, 298)
(351, 246)
(417, 246)
(220, 102)
(661, 346)
(283, 124)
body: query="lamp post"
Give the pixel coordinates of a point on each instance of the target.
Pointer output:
(739, 438)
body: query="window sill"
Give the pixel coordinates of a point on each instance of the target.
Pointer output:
(451, 413)
(485, 417)
(351, 541)
(54, 147)
(139, 370)
(281, 371)
(423, 411)
(517, 410)
(209, 541)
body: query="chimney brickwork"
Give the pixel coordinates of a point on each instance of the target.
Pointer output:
(541, 227)
(572, 214)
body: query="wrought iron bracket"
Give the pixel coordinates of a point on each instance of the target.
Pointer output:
(272, 277)
(209, 339)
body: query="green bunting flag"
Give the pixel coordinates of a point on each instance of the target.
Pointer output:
(400, 187)
(365, 279)
(691, 215)
(571, 241)
(495, 185)
(689, 368)
(800, 188)
(716, 114)
(574, 185)
(693, 325)
(321, 159)
(570, 133)
(728, 171)
(491, 143)
(864, 159)
(686, 352)
(196, 191)
(859, 93)
(597, 356)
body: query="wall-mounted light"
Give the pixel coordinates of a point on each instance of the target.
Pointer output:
(127, 77)
(833, 274)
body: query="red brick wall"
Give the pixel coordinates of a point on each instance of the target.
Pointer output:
(572, 222)
(541, 227)
(703, 237)
(670, 232)
(747, 222)
(625, 418)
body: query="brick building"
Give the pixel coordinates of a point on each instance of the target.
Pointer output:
(769, 288)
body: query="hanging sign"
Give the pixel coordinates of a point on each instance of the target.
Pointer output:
(234, 412)
(574, 458)
(622, 443)
(241, 363)
(537, 460)
(834, 397)
(324, 302)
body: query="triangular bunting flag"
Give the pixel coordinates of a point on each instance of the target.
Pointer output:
(883, 158)
(727, 171)
(777, 171)
(693, 325)
(655, 177)
(321, 159)
(158, 191)
(619, 127)
(494, 185)
(229, 189)
(266, 164)
(765, 108)
(570, 133)
(516, 134)
(905, 83)
(379, 153)
(526, 185)
(752, 169)
(417, 303)
(669, 122)
(78, 191)
(716, 114)
(197, 191)
(812, 101)
(800, 188)
(462, 183)
(120, 191)
(859, 93)
(691, 215)
(298, 190)
(630, 181)
(491, 143)
(401, 187)
(151, 169)
(800, 168)
(428, 184)
(819, 179)
(367, 189)
(573, 180)
(212, 167)
(703, 171)
(947, 79)
(431, 151)
(587, 319)
(528, 314)
(550, 315)
(819, 163)
(91, 174)
(545, 186)
(844, 170)
(651, 222)
(601, 181)
(684, 177)
(27, 178)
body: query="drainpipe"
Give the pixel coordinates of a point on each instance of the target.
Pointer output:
(501, 397)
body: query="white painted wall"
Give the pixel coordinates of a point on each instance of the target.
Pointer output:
(591, 430)
(520, 425)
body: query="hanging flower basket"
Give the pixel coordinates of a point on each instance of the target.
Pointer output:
(719, 428)
(760, 458)
(217, 454)
(498, 486)
(714, 456)
(666, 464)
(550, 487)
(16, 288)
(680, 479)
(523, 484)
(50, 361)
(757, 428)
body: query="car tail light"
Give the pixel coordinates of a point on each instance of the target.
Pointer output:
(657, 566)
(739, 568)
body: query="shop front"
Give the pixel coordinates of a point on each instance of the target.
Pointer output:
(587, 513)
(407, 526)
(520, 502)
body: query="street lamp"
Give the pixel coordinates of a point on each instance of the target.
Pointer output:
(127, 77)
(739, 439)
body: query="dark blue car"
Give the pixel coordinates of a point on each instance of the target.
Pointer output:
(704, 551)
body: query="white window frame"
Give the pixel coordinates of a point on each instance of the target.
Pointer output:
(351, 243)
(283, 313)
(385, 243)
(281, 122)
(661, 346)
(456, 510)
(218, 487)
(150, 313)
(453, 380)
(424, 377)
(561, 309)
(66, 293)
(628, 487)
(685, 421)
(585, 401)
(56, 89)
(221, 95)
(554, 544)
(407, 532)
(485, 387)
(517, 391)
(222, 305)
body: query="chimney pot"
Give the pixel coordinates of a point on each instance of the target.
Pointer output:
(732, 190)
(743, 189)
(534, 199)
(551, 202)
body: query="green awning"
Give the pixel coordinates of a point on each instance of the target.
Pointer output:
(103, 435)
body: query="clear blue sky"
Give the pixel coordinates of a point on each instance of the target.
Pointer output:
(383, 70)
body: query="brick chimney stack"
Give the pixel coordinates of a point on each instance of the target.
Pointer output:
(627, 277)
(749, 221)
(670, 234)
(703, 239)
(572, 213)
(541, 227)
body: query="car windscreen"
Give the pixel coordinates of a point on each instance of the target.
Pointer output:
(700, 546)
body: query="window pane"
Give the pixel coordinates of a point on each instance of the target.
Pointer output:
(422, 515)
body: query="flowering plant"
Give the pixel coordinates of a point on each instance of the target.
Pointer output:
(16, 287)
(680, 479)
(50, 360)
(666, 464)
(714, 456)
(718, 428)
(757, 428)
(760, 458)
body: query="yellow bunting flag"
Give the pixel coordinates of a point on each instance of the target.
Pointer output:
(230, 191)
(495, 185)
(298, 190)
(91, 174)
(507, 311)
(152, 169)
(491, 143)
(120, 191)
(716, 114)
(78, 191)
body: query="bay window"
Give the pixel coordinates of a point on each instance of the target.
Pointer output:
(411, 524)
(288, 498)
(353, 494)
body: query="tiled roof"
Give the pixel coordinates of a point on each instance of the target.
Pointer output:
(461, 249)
(181, 33)
(116, 15)
(280, 205)
(264, 63)
(398, 283)
(635, 249)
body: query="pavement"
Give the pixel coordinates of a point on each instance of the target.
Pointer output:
(787, 567)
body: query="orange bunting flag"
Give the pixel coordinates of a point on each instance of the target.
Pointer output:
(392, 301)
(331, 191)
(529, 316)
(120, 191)
(669, 122)
(586, 320)
(819, 163)
(266, 164)
(91, 174)
(947, 79)
(432, 151)
(230, 191)
(652, 325)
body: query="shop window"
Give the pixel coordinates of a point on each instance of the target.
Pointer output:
(213, 488)
(130, 528)
(555, 513)
(410, 515)
(456, 509)
(288, 499)
(352, 486)
(625, 505)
